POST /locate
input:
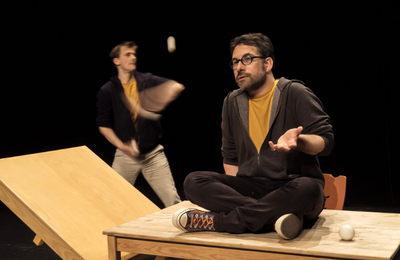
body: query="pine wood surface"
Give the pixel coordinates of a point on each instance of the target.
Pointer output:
(377, 236)
(68, 197)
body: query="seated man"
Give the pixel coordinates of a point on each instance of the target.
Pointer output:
(273, 132)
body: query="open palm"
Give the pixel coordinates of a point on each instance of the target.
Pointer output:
(287, 141)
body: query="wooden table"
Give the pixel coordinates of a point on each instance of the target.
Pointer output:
(377, 237)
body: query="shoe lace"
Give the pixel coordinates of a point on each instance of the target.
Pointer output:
(202, 221)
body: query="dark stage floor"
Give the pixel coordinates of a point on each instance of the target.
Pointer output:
(16, 239)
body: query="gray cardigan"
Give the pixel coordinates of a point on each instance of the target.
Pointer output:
(293, 105)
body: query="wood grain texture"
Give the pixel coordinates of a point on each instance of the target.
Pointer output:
(68, 197)
(112, 248)
(377, 236)
(187, 251)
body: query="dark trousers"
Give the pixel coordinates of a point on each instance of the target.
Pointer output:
(253, 204)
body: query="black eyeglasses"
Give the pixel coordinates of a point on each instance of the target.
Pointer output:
(247, 59)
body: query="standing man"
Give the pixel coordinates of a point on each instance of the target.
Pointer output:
(273, 131)
(136, 138)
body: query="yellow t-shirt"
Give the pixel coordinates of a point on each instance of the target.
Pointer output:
(130, 90)
(259, 116)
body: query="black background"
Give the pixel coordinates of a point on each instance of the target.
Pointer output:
(55, 59)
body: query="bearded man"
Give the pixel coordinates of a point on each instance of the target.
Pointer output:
(273, 131)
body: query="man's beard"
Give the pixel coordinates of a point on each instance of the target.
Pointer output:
(253, 82)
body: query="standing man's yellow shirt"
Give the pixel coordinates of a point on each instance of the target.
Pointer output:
(130, 90)
(259, 116)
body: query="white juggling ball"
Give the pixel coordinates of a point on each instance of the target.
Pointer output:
(171, 44)
(346, 232)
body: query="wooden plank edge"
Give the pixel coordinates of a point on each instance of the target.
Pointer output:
(190, 251)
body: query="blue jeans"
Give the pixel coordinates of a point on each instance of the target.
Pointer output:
(253, 204)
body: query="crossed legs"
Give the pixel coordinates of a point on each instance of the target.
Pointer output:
(253, 204)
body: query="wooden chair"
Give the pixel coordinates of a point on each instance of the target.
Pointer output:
(335, 191)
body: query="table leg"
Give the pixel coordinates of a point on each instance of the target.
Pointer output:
(113, 254)
(38, 241)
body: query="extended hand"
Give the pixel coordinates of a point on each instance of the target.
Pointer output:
(287, 141)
